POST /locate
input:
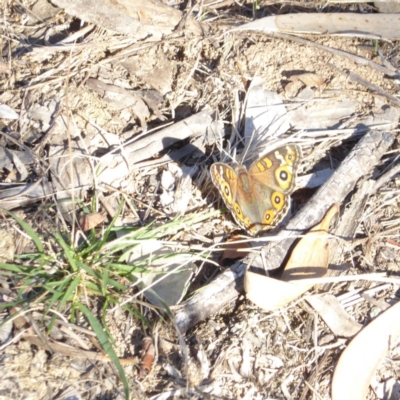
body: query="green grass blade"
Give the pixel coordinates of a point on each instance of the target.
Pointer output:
(105, 343)
(30, 232)
(20, 269)
(104, 281)
(69, 253)
(66, 296)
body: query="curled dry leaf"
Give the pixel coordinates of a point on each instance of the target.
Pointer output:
(309, 79)
(147, 356)
(90, 221)
(358, 362)
(309, 259)
(292, 89)
(234, 249)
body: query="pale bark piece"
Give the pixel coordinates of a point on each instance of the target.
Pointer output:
(344, 24)
(7, 157)
(170, 284)
(23, 195)
(321, 113)
(347, 227)
(331, 311)
(167, 278)
(266, 117)
(388, 6)
(19, 165)
(5, 331)
(358, 362)
(7, 246)
(139, 18)
(115, 166)
(315, 179)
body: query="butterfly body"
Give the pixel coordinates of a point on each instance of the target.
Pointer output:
(258, 197)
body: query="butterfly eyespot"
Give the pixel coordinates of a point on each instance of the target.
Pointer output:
(247, 221)
(238, 211)
(278, 200)
(226, 190)
(268, 217)
(284, 176)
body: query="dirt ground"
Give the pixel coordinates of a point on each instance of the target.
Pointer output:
(242, 352)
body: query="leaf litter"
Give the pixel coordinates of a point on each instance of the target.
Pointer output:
(241, 352)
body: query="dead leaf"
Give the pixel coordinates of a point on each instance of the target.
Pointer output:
(147, 358)
(271, 294)
(293, 88)
(332, 312)
(154, 68)
(309, 79)
(7, 112)
(90, 221)
(19, 165)
(358, 362)
(233, 249)
(309, 259)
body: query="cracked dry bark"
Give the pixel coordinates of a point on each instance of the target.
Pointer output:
(226, 287)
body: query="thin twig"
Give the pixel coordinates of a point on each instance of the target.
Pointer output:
(341, 53)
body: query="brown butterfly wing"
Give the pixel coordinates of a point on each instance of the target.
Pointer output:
(235, 188)
(277, 170)
(259, 198)
(224, 178)
(251, 201)
(273, 179)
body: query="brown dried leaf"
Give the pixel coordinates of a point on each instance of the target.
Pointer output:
(293, 88)
(147, 359)
(271, 294)
(309, 79)
(233, 249)
(90, 221)
(310, 258)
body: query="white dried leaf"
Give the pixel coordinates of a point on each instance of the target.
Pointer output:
(7, 112)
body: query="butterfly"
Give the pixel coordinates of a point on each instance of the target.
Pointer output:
(259, 197)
